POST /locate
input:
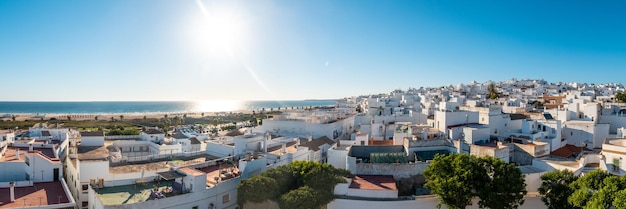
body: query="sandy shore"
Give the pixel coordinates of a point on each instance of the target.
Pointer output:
(127, 116)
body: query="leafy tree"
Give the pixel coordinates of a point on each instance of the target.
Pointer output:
(555, 189)
(358, 108)
(621, 97)
(620, 199)
(302, 198)
(588, 192)
(121, 117)
(284, 178)
(452, 178)
(502, 186)
(257, 189)
(13, 117)
(300, 184)
(458, 178)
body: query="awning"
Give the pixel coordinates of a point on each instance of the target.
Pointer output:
(170, 175)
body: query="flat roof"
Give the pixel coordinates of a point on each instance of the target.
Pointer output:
(40, 194)
(10, 154)
(91, 133)
(171, 175)
(134, 193)
(92, 152)
(156, 164)
(191, 171)
(373, 182)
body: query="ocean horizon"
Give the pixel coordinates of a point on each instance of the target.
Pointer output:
(129, 107)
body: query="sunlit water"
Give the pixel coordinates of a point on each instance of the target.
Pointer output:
(150, 107)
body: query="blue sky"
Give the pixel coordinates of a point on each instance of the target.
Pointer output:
(272, 50)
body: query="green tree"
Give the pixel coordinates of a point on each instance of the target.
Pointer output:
(257, 189)
(13, 117)
(502, 186)
(358, 108)
(458, 178)
(620, 199)
(492, 93)
(121, 117)
(302, 198)
(621, 97)
(96, 118)
(284, 176)
(452, 179)
(555, 189)
(589, 192)
(300, 184)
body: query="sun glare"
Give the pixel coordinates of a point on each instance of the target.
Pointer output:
(221, 26)
(217, 105)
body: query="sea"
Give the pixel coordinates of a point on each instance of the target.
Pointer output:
(153, 107)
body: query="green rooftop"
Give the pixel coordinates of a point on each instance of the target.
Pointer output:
(388, 157)
(129, 194)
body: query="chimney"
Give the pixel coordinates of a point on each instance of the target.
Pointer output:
(284, 148)
(30, 147)
(12, 191)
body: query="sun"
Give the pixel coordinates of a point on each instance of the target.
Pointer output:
(219, 26)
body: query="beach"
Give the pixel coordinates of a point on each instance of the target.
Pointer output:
(126, 116)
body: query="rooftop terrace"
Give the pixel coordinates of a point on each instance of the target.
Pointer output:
(373, 182)
(40, 194)
(134, 193)
(10, 154)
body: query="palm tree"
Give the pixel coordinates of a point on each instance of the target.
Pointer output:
(112, 119)
(69, 118)
(96, 118)
(13, 117)
(121, 117)
(202, 114)
(491, 91)
(144, 118)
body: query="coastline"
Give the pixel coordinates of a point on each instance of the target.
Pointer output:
(107, 116)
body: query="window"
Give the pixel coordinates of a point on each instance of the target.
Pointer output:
(225, 198)
(85, 203)
(85, 188)
(194, 207)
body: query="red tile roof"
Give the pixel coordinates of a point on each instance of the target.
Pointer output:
(568, 150)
